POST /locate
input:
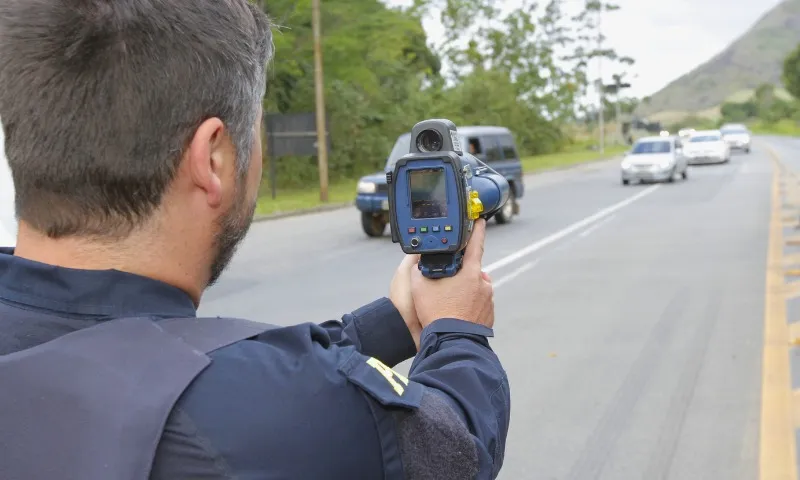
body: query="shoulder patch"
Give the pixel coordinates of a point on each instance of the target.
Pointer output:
(381, 382)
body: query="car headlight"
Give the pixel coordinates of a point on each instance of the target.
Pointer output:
(665, 164)
(626, 165)
(366, 187)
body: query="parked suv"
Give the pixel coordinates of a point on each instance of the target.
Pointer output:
(494, 146)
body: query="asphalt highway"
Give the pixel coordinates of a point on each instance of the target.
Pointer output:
(630, 319)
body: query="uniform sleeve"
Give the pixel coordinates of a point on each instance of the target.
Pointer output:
(466, 400)
(294, 404)
(464, 404)
(376, 330)
(449, 419)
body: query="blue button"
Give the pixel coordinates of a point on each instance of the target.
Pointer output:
(435, 228)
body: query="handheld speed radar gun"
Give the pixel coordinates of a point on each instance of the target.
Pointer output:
(436, 192)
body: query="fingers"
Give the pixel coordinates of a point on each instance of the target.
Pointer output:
(474, 251)
(409, 261)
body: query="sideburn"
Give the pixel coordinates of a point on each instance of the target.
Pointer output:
(233, 227)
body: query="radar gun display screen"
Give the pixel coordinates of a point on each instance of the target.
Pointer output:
(428, 193)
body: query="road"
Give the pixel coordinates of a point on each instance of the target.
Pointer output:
(630, 319)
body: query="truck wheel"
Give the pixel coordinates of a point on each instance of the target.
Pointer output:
(505, 214)
(373, 224)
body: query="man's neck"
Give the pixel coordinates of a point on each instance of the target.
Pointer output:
(135, 255)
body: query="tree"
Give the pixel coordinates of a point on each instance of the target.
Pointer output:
(791, 73)
(524, 69)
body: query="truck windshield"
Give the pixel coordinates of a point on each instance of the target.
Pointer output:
(402, 146)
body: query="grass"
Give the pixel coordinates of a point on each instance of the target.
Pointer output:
(783, 127)
(345, 191)
(571, 157)
(290, 200)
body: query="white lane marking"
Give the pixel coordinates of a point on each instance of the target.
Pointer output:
(513, 257)
(597, 225)
(511, 276)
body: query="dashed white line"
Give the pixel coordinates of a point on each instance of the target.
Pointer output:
(538, 245)
(511, 276)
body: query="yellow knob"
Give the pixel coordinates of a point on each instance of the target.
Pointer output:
(475, 206)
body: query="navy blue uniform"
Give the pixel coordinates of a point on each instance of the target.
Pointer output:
(308, 401)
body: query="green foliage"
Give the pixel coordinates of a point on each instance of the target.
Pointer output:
(764, 108)
(791, 73)
(523, 70)
(784, 127)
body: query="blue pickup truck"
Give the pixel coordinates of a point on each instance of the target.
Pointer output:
(495, 146)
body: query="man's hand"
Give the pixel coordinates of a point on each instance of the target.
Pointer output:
(400, 295)
(468, 295)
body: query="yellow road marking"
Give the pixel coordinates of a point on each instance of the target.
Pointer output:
(794, 333)
(796, 408)
(792, 260)
(777, 441)
(792, 290)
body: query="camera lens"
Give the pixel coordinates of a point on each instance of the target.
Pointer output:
(429, 141)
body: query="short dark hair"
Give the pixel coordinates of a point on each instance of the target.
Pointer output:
(99, 99)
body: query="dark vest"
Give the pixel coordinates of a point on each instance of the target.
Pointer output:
(92, 404)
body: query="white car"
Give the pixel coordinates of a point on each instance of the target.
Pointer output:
(8, 222)
(706, 146)
(737, 136)
(654, 159)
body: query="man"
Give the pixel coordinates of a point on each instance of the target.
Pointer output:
(131, 131)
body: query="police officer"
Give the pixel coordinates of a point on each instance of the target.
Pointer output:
(131, 130)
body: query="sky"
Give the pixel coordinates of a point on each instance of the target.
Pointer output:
(667, 38)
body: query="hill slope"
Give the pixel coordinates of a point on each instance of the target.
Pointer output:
(754, 58)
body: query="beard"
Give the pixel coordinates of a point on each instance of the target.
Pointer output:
(232, 228)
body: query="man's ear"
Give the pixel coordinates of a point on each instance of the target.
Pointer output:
(205, 156)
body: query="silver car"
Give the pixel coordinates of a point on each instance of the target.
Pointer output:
(654, 159)
(707, 146)
(737, 136)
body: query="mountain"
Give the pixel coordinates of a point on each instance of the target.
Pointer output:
(754, 58)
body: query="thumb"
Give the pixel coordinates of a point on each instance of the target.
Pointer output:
(474, 250)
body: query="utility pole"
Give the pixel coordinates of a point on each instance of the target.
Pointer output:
(322, 144)
(600, 75)
(620, 136)
(616, 90)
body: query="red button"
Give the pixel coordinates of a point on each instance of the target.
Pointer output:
(444, 240)
(412, 229)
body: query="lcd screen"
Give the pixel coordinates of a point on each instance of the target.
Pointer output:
(428, 193)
